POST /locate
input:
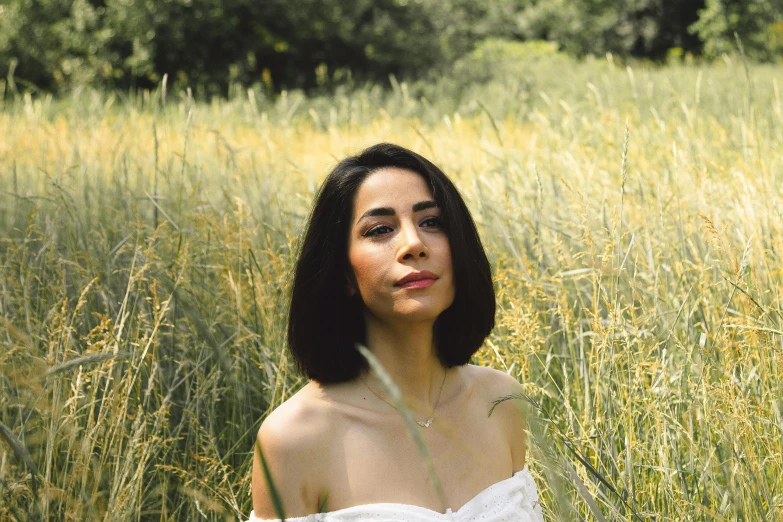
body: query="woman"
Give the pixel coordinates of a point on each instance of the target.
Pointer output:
(391, 259)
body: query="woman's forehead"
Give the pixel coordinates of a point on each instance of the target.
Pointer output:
(392, 187)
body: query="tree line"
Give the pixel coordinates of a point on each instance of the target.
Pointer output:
(53, 45)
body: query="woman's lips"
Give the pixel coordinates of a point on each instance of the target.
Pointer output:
(419, 283)
(421, 279)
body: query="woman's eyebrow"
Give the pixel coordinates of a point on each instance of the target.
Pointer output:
(424, 205)
(388, 211)
(380, 211)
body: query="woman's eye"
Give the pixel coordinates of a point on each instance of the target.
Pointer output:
(431, 222)
(378, 231)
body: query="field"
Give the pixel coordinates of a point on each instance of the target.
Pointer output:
(633, 217)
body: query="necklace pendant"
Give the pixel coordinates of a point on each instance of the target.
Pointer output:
(425, 424)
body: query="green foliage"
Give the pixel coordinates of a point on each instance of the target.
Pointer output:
(321, 45)
(758, 24)
(54, 43)
(209, 44)
(495, 50)
(301, 44)
(642, 28)
(495, 58)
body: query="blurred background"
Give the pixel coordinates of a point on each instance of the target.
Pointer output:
(210, 45)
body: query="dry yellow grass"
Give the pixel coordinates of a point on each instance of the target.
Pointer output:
(639, 299)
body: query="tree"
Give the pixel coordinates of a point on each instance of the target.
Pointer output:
(641, 28)
(53, 43)
(755, 22)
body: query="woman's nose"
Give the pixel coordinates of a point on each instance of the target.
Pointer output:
(412, 247)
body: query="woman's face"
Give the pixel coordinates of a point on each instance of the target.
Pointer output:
(398, 250)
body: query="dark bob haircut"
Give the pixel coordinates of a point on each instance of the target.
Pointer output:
(325, 323)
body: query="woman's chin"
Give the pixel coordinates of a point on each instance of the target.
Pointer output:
(410, 310)
(418, 312)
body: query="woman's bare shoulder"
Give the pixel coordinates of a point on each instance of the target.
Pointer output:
(496, 385)
(299, 423)
(295, 440)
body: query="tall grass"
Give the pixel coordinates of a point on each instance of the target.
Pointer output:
(633, 218)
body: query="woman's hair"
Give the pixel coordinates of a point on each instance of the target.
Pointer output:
(325, 323)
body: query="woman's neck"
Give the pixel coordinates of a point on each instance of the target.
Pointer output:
(408, 354)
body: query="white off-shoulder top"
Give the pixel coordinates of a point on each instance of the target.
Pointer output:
(513, 499)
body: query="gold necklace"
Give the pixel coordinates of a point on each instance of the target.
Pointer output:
(423, 424)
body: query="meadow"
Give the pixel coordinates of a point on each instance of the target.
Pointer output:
(633, 218)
